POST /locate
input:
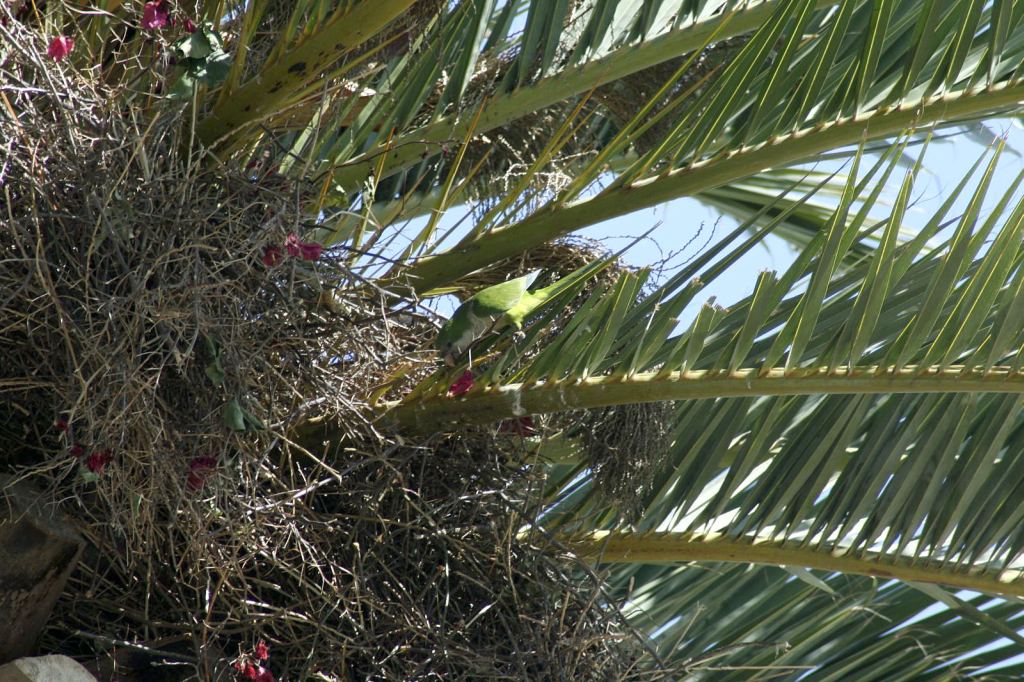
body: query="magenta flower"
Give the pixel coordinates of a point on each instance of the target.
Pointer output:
(61, 424)
(310, 250)
(60, 47)
(262, 651)
(300, 249)
(97, 461)
(199, 469)
(155, 16)
(190, 26)
(272, 256)
(256, 673)
(202, 463)
(521, 426)
(462, 384)
(76, 450)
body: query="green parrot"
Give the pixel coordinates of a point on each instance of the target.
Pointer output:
(508, 304)
(501, 306)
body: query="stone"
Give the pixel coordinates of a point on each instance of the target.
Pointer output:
(45, 669)
(37, 554)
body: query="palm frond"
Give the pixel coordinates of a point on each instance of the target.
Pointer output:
(753, 623)
(805, 110)
(832, 412)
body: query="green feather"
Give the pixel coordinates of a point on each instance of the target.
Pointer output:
(500, 298)
(479, 314)
(508, 304)
(503, 305)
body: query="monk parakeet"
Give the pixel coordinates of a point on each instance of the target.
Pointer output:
(498, 307)
(508, 304)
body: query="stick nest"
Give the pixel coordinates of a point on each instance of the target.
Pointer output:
(152, 365)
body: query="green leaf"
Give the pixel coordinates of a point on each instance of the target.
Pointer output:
(216, 69)
(213, 369)
(198, 45)
(252, 422)
(215, 373)
(233, 415)
(184, 87)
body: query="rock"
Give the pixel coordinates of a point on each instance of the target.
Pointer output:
(45, 669)
(37, 554)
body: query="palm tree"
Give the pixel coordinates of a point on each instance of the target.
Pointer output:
(818, 481)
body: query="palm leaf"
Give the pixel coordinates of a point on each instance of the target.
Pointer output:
(718, 141)
(780, 444)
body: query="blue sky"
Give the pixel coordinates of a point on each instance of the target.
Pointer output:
(944, 165)
(678, 221)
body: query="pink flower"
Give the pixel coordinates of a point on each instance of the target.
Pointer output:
(61, 424)
(272, 256)
(257, 673)
(199, 469)
(76, 450)
(462, 384)
(310, 250)
(201, 463)
(252, 671)
(300, 249)
(262, 651)
(154, 16)
(190, 26)
(60, 47)
(521, 426)
(98, 460)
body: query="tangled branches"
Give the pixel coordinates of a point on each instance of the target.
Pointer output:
(162, 329)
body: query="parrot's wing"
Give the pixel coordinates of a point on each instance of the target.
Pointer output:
(452, 329)
(574, 279)
(461, 331)
(498, 299)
